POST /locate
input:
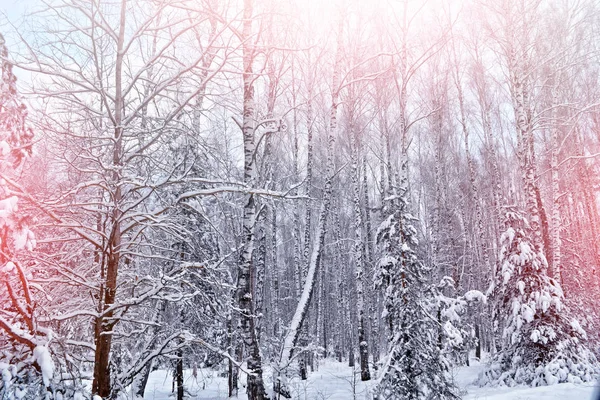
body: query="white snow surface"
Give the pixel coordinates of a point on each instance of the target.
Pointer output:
(44, 360)
(333, 381)
(466, 377)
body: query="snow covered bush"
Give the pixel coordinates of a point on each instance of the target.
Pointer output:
(541, 342)
(457, 332)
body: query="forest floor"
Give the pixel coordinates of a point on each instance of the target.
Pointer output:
(337, 381)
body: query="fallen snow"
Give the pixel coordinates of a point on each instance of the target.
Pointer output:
(334, 381)
(466, 376)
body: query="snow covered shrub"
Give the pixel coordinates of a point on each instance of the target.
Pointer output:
(541, 342)
(457, 333)
(415, 367)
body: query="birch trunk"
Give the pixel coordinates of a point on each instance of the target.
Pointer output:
(480, 242)
(554, 269)
(358, 250)
(246, 268)
(307, 229)
(373, 297)
(522, 109)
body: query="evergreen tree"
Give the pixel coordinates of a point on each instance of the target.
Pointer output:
(541, 342)
(15, 135)
(415, 367)
(26, 366)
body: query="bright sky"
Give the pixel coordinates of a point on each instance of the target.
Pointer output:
(14, 9)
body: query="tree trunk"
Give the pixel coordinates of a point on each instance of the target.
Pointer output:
(526, 151)
(246, 267)
(554, 270)
(101, 384)
(303, 338)
(141, 380)
(358, 250)
(478, 345)
(179, 375)
(232, 371)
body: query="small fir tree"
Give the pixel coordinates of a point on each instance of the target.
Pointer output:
(541, 342)
(415, 367)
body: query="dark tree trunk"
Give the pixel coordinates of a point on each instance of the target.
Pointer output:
(478, 345)
(101, 384)
(232, 372)
(142, 380)
(179, 375)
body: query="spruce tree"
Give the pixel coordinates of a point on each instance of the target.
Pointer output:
(26, 366)
(15, 135)
(415, 367)
(541, 341)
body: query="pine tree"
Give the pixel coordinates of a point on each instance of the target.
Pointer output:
(541, 342)
(415, 367)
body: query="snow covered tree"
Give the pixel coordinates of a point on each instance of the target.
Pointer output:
(541, 342)
(415, 367)
(179, 220)
(26, 366)
(109, 132)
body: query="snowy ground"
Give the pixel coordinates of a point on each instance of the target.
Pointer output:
(565, 391)
(334, 381)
